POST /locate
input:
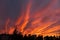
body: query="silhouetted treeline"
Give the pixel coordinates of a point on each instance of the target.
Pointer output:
(19, 36)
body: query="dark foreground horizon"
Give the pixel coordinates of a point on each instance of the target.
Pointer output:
(19, 36)
(29, 37)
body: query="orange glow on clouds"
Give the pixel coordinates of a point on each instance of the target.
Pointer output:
(37, 25)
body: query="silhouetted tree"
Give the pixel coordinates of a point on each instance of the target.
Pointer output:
(46, 38)
(39, 37)
(19, 36)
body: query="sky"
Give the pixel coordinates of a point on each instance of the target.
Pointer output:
(40, 12)
(12, 8)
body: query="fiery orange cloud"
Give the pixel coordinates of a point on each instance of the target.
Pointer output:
(36, 22)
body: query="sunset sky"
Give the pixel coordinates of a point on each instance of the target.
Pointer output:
(30, 16)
